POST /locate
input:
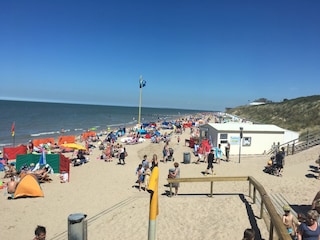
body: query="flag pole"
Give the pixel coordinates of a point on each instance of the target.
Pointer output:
(13, 133)
(140, 99)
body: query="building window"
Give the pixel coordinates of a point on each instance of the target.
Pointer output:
(246, 141)
(223, 138)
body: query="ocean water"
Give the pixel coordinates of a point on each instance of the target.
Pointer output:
(43, 120)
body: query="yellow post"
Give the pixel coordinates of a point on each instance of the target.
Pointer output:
(154, 207)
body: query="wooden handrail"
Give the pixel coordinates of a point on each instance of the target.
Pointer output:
(275, 220)
(208, 179)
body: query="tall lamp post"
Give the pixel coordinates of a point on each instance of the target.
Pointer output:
(241, 135)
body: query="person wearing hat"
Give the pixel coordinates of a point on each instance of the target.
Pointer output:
(210, 162)
(287, 219)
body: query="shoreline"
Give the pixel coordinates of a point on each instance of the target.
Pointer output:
(78, 131)
(38, 119)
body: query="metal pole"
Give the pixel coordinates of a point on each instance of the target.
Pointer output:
(239, 149)
(140, 99)
(139, 117)
(241, 133)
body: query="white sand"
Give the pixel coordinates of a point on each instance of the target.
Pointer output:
(115, 210)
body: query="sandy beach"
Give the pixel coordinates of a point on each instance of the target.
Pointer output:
(116, 210)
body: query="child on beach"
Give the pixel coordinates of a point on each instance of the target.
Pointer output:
(218, 153)
(140, 174)
(287, 219)
(201, 153)
(147, 174)
(40, 233)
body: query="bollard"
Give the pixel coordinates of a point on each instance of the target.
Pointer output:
(77, 226)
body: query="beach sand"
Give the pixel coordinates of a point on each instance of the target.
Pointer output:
(116, 210)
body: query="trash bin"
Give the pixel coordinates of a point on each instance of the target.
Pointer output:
(186, 157)
(77, 226)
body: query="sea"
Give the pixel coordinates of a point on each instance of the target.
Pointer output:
(32, 120)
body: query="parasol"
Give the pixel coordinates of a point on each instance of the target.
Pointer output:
(74, 146)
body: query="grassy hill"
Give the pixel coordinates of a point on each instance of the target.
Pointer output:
(300, 114)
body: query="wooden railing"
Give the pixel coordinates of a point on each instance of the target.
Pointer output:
(274, 220)
(298, 145)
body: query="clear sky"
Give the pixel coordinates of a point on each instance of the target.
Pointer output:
(204, 55)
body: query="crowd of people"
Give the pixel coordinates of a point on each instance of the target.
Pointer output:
(144, 170)
(111, 150)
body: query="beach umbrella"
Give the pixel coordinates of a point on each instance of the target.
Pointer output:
(43, 160)
(74, 146)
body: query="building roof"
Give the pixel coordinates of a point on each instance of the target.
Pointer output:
(235, 127)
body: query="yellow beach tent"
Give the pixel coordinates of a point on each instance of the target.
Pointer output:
(28, 187)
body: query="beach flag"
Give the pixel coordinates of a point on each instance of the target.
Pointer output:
(43, 160)
(142, 82)
(12, 129)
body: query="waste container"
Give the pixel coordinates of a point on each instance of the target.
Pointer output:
(186, 157)
(77, 226)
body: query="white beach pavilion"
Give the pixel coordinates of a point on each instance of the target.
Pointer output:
(256, 138)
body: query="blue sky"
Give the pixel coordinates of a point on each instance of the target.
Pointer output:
(205, 55)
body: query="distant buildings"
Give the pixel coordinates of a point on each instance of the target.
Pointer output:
(256, 103)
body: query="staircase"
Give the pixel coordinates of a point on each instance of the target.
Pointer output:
(299, 144)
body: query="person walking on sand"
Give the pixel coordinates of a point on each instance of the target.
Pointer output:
(175, 174)
(218, 152)
(210, 162)
(154, 162)
(227, 151)
(145, 161)
(201, 153)
(140, 175)
(122, 155)
(165, 152)
(287, 219)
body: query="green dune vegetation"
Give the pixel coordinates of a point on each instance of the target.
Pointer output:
(301, 114)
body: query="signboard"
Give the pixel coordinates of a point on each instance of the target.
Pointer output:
(234, 140)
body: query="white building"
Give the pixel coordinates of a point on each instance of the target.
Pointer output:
(256, 138)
